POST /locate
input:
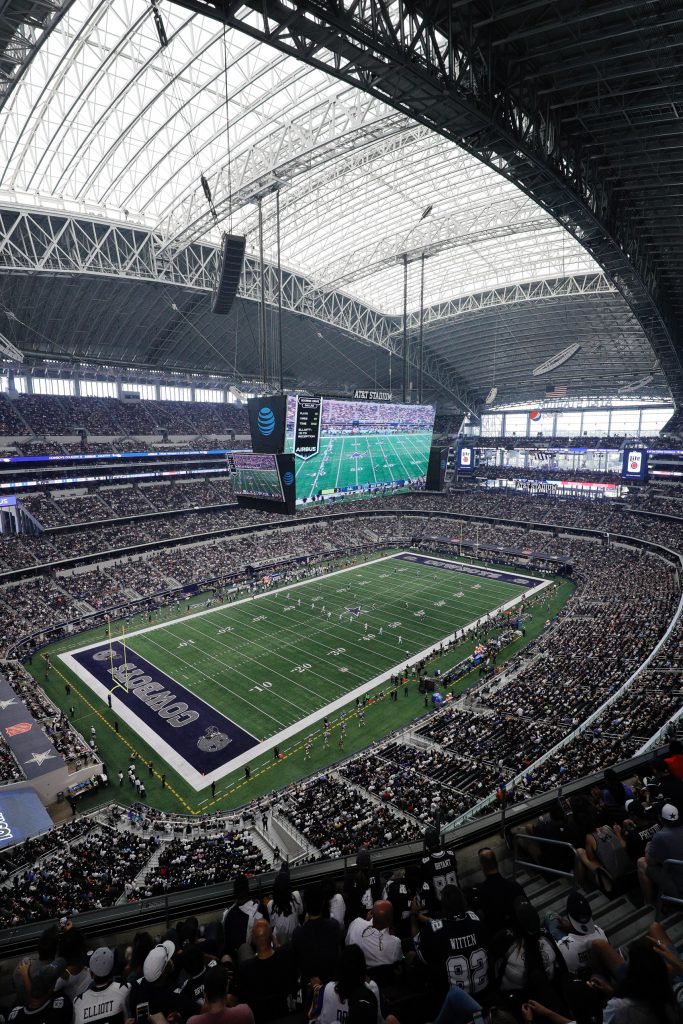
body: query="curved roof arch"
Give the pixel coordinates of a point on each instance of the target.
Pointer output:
(107, 124)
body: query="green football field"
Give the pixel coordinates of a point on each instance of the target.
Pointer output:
(276, 664)
(168, 788)
(264, 482)
(361, 460)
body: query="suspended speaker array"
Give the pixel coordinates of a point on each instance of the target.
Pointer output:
(230, 266)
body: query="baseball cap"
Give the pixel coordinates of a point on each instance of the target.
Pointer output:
(363, 859)
(669, 813)
(102, 962)
(157, 960)
(579, 913)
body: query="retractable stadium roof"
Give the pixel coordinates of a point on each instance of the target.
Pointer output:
(104, 135)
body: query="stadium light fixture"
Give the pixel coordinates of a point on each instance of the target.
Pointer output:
(557, 360)
(636, 384)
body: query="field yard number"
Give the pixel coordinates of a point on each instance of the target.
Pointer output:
(225, 629)
(394, 625)
(300, 668)
(259, 618)
(477, 586)
(439, 604)
(368, 636)
(336, 652)
(185, 643)
(260, 687)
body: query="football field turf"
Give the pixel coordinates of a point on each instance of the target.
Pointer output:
(363, 459)
(214, 689)
(264, 482)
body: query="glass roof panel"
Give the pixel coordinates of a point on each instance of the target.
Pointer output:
(105, 118)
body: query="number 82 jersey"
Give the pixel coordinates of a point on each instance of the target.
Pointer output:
(453, 950)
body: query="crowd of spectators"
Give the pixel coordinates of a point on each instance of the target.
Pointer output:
(613, 441)
(66, 740)
(9, 769)
(32, 850)
(87, 874)
(437, 939)
(63, 508)
(338, 819)
(65, 415)
(206, 860)
(423, 783)
(544, 472)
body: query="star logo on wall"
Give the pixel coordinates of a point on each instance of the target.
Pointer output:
(39, 758)
(6, 703)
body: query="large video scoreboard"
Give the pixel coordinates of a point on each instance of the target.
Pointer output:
(262, 480)
(348, 449)
(342, 449)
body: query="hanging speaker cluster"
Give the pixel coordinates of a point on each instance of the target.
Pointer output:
(230, 265)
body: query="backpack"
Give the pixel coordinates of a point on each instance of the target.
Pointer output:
(615, 862)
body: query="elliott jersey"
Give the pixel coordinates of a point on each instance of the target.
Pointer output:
(108, 1005)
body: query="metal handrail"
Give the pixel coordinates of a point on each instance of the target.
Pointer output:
(663, 897)
(518, 837)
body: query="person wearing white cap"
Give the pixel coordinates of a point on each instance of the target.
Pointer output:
(106, 1000)
(667, 844)
(155, 987)
(575, 933)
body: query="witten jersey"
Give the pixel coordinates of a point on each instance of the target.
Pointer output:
(453, 949)
(102, 1006)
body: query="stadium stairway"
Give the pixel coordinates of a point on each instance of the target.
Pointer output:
(620, 918)
(292, 843)
(264, 842)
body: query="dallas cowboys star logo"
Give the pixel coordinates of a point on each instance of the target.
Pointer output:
(355, 611)
(6, 703)
(39, 758)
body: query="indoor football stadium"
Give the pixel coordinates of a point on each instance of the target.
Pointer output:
(341, 512)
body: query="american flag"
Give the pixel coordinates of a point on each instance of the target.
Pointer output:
(556, 391)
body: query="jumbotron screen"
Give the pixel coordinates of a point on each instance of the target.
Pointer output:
(353, 449)
(256, 476)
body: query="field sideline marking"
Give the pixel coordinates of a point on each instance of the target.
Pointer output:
(195, 779)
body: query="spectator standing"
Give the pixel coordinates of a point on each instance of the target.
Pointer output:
(216, 994)
(41, 1005)
(157, 983)
(266, 980)
(105, 1001)
(380, 948)
(453, 947)
(239, 919)
(494, 898)
(316, 943)
(350, 998)
(666, 844)
(285, 908)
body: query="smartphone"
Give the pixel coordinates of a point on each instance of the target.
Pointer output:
(142, 1013)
